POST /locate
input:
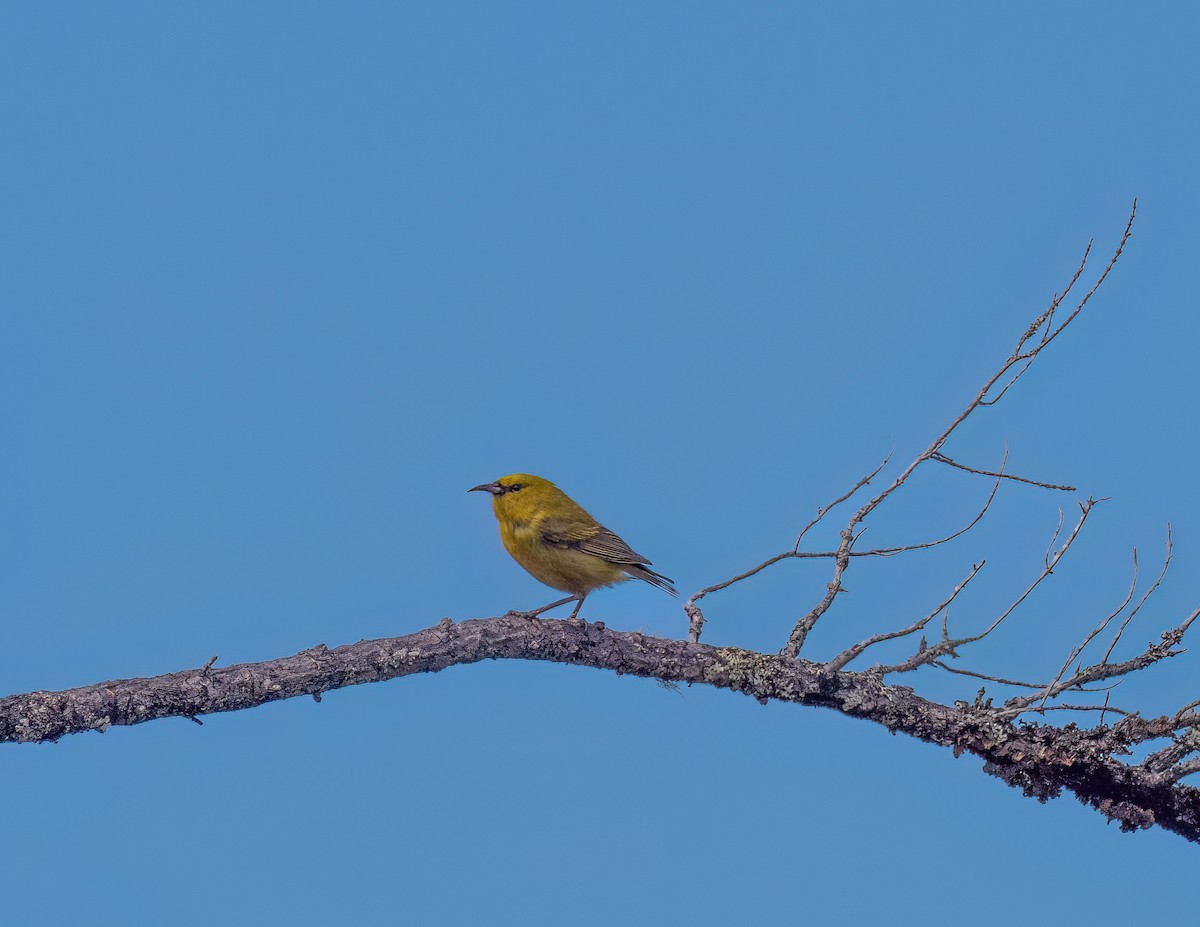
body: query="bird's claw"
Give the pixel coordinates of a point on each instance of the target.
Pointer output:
(513, 613)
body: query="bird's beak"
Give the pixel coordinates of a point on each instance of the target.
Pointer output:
(494, 488)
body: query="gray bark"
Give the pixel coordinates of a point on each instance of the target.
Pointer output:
(1042, 760)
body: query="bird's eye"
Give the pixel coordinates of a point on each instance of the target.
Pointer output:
(514, 487)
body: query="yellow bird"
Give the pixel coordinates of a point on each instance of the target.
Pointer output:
(559, 543)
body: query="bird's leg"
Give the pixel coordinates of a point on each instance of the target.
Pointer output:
(546, 608)
(578, 606)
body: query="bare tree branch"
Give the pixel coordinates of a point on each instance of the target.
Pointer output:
(1149, 592)
(1016, 683)
(1021, 354)
(925, 545)
(1079, 648)
(1040, 760)
(984, 676)
(1153, 654)
(942, 458)
(1164, 759)
(1041, 709)
(856, 650)
(832, 591)
(696, 616)
(948, 646)
(1047, 338)
(842, 555)
(1184, 769)
(822, 512)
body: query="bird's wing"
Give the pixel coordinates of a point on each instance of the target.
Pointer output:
(589, 539)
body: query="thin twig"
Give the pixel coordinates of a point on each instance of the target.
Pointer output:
(832, 590)
(1021, 354)
(1020, 373)
(1048, 315)
(1085, 509)
(942, 458)
(1054, 538)
(1008, 682)
(696, 616)
(1153, 654)
(825, 510)
(856, 650)
(947, 646)
(1149, 592)
(1078, 649)
(1000, 679)
(892, 551)
(1043, 708)
(1046, 339)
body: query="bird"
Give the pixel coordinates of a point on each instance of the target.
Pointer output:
(560, 544)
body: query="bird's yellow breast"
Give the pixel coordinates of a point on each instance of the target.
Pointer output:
(559, 568)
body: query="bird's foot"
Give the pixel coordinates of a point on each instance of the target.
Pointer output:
(513, 613)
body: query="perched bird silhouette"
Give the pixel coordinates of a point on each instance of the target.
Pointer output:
(559, 543)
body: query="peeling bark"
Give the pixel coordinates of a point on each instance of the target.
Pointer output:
(1041, 760)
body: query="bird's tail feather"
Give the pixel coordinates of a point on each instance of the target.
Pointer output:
(637, 571)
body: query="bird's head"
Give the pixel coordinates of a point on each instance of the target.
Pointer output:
(517, 496)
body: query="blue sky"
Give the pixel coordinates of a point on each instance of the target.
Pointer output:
(281, 281)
